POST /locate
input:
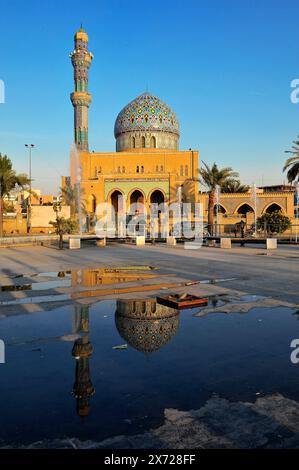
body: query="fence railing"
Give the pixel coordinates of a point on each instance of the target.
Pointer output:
(249, 231)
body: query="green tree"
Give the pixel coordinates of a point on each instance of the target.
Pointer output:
(233, 185)
(292, 163)
(64, 226)
(9, 180)
(210, 178)
(275, 222)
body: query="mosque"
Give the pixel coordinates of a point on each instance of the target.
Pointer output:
(148, 166)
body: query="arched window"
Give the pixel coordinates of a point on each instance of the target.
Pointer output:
(221, 209)
(92, 203)
(124, 169)
(142, 169)
(186, 170)
(153, 142)
(137, 169)
(181, 170)
(143, 142)
(133, 143)
(157, 169)
(161, 168)
(245, 209)
(273, 208)
(118, 169)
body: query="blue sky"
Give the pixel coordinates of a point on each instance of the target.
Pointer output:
(224, 66)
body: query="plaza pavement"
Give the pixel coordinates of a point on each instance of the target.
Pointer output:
(249, 269)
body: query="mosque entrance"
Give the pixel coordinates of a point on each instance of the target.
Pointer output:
(117, 203)
(157, 197)
(137, 201)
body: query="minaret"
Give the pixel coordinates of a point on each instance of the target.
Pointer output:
(81, 99)
(82, 350)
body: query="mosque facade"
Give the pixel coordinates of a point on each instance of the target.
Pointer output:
(147, 165)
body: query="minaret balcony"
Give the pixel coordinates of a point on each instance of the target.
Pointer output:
(80, 98)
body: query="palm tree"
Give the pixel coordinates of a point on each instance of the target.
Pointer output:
(9, 180)
(234, 186)
(211, 177)
(292, 163)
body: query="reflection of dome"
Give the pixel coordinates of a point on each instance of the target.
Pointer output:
(146, 122)
(146, 325)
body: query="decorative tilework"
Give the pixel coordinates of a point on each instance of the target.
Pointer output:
(146, 113)
(147, 336)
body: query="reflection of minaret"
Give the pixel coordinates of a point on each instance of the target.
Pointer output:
(81, 99)
(82, 350)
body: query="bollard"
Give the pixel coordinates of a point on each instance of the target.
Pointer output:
(271, 243)
(140, 240)
(225, 243)
(171, 241)
(101, 242)
(74, 243)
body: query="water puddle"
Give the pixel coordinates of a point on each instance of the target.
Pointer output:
(216, 281)
(37, 286)
(67, 273)
(122, 363)
(39, 299)
(77, 278)
(251, 298)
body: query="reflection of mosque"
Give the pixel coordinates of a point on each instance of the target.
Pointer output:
(146, 325)
(143, 324)
(82, 351)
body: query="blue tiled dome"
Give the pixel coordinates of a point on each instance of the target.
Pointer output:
(146, 113)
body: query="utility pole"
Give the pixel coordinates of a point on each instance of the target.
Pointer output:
(30, 147)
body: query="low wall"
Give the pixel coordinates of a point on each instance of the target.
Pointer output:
(30, 240)
(42, 215)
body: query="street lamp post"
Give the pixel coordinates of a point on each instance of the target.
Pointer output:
(30, 147)
(217, 201)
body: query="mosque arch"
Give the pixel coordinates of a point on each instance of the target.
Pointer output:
(92, 203)
(221, 209)
(143, 142)
(137, 196)
(157, 196)
(272, 207)
(133, 142)
(244, 209)
(116, 198)
(153, 142)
